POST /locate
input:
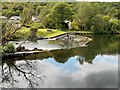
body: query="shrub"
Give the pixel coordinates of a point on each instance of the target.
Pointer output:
(9, 48)
(2, 53)
(74, 26)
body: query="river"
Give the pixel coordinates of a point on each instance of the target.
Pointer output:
(67, 65)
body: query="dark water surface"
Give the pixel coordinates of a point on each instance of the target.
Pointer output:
(93, 66)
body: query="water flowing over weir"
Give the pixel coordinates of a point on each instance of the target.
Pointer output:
(65, 41)
(55, 42)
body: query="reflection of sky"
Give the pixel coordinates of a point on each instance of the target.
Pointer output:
(113, 59)
(103, 73)
(68, 66)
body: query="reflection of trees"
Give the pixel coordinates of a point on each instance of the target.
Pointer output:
(61, 55)
(103, 44)
(35, 56)
(10, 72)
(99, 45)
(82, 60)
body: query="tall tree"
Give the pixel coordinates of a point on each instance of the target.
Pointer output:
(26, 15)
(60, 13)
(84, 14)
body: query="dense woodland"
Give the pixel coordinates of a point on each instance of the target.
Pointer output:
(98, 17)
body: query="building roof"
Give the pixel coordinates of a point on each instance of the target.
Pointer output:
(16, 17)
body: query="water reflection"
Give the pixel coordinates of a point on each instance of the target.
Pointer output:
(95, 66)
(13, 72)
(102, 73)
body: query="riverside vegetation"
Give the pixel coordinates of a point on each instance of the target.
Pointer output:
(81, 17)
(65, 63)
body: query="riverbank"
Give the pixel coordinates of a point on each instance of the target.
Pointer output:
(47, 33)
(24, 32)
(61, 41)
(41, 33)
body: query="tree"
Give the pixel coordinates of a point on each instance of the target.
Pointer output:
(60, 13)
(9, 28)
(85, 12)
(97, 24)
(26, 15)
(26, 70)
(33, 31)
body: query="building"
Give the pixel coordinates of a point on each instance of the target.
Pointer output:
(35, 19)
(15, 19)
(69, 23)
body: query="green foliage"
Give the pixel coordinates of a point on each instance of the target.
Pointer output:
(34, 25)
(85, 12)
(9, 48)
(74, 26)
(2, 53)
(8, 13)
(99, 17)
(26, 15)
(104, 24)
(33, 31)
(23, 33)
(60, 13)
(17, 13)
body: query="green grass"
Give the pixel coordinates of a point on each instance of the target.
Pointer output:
(45, 33)
(85, 32)
(25, 32)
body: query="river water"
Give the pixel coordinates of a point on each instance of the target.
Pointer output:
(67, 65)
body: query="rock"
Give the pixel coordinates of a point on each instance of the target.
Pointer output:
(35, 49)
(16, 43)
(20, 48)
(40, 38)
(49, 30)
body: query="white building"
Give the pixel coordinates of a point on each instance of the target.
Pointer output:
(15, 19)
(69, 23)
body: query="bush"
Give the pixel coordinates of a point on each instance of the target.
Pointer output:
(74, 26)
(9, 48)
(2, 53)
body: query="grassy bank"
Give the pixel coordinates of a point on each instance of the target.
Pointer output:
(47, 33)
